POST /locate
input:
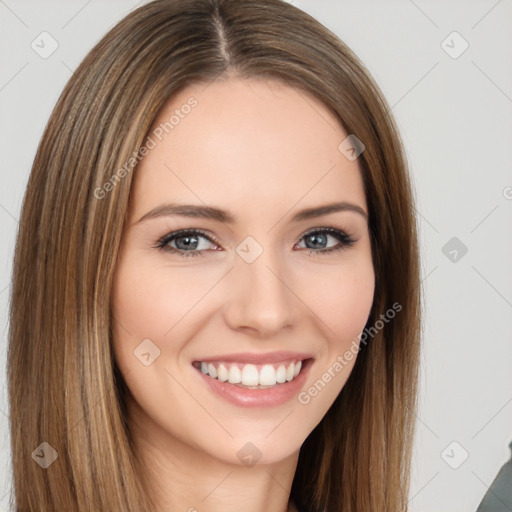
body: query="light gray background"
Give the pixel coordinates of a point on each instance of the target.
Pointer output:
(455, 115)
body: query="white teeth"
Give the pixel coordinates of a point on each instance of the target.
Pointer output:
(222, 373)
(248, 374)
(234, 375)
(267, 375)
(281, 374)
(212, 371)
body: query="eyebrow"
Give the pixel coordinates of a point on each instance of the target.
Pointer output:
(218, 214)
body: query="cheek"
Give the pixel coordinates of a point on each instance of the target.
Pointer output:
(341, 301)
(347, 301)
(348, 316)
(150, 301)
(141, 310)
(341, 298)
(157, 303)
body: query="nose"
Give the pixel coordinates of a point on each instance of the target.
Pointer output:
(259, 297)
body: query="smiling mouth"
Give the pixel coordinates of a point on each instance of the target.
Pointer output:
(253, 376)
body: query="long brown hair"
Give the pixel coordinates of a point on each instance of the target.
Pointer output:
(64, 386)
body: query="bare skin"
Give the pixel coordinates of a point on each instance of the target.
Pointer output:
(262, 151)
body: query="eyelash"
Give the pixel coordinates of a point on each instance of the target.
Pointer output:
(345, 240)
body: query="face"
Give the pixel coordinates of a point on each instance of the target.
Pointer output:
(228, 272)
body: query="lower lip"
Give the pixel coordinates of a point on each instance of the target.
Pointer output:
(269, 397)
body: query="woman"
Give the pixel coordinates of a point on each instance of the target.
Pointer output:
(277, 371)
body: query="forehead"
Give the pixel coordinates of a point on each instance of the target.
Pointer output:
(246, 143)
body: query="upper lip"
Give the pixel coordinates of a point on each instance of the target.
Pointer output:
(253, 358)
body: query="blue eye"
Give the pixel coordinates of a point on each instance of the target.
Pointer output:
(187, 242)
(317, 238)
(187, 239)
